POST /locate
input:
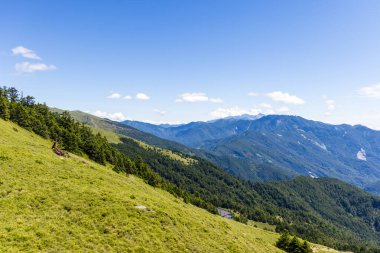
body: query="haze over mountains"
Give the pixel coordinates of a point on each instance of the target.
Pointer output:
(279, 147)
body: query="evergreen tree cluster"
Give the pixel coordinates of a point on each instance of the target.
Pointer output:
(292, 244)
(62, 128)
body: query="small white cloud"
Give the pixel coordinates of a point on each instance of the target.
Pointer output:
(193, 97)
(115, 95)
(259, 109)
(28, 67)
(216, 100)
(100, 114)
(233, 111)
(253, 94)
(370, 91)
(117, 116)
(285, 97)
(227, 112)
(127, 97)
(142, 96)
(197, 97)
(25, 52)
(162, 113)
(155, 122)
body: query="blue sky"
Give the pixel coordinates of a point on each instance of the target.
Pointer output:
(181, 61)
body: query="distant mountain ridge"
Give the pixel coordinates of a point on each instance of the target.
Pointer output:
(290, 144)
(199, 131)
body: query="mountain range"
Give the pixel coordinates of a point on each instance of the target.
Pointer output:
(272, 147)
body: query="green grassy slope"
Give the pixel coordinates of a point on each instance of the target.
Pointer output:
(63, 205)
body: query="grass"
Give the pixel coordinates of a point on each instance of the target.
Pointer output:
(50, 204)
(166, 152)
(111, 136)
(262, 225)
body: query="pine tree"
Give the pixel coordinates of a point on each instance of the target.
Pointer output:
(284, 241)
(13, 94)
(294, 246)
(4, 108)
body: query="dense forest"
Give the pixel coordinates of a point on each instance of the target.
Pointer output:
(325, 211)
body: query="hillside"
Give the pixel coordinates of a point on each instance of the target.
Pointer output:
(49, 203)
(337, 223)
(287, 145)
(122, 129)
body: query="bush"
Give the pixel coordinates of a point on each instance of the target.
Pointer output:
(292, 244)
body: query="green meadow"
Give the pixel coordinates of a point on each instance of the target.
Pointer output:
(54, 204)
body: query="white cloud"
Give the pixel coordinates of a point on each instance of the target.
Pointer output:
(193, 97)
(233, 111)
(115, 95)
(261, 108)
(285, 97)
(216, 100)
(162, 113)
(253, 94)
(25, 52)
(139, 96)
(117, 116)
(142, 96)
(28, 67)
(370, 91)
(197, 97)
(155, 122)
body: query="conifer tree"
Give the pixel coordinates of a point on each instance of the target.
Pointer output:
(294, 246)
(284, 241)
(4, 108)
